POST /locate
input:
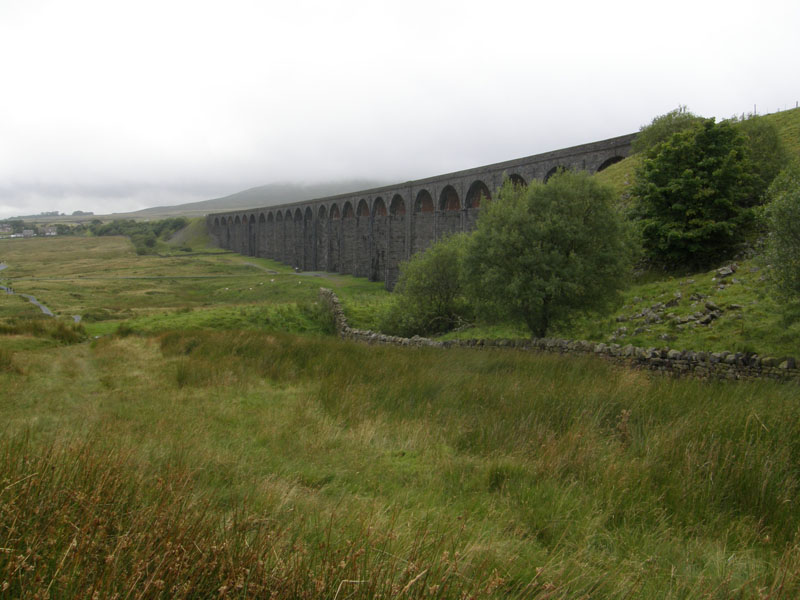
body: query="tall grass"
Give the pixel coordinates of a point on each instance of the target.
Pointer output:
(357, 471)
(624, 456)
(80, 524)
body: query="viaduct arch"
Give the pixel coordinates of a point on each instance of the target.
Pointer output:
(369, 233)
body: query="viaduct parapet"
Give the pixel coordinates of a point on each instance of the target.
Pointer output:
(369, 233)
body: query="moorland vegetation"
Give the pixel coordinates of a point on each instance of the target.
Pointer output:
(200, 433)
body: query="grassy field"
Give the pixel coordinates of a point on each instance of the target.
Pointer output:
(204, 451)
(106, 283)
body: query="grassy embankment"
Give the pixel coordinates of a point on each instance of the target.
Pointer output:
(751, 319)
(188, 462)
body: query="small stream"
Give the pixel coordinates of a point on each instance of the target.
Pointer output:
(32, 299)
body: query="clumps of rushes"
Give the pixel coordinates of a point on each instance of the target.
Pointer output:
(79, 522)
(66, 332)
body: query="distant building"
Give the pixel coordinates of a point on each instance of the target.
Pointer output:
(50, 231)
(28, 233)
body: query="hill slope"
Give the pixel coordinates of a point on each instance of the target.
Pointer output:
(263, 195)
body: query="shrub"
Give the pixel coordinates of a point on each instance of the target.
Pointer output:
(765, 150)
(429, 296)
(783, 247)
(663, 128)
(542, 251)
(695, 195)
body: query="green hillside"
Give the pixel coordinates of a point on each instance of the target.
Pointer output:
(621, 175)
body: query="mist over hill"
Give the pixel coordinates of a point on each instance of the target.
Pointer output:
(263, 195)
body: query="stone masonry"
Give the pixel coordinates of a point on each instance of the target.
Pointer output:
(369, 233)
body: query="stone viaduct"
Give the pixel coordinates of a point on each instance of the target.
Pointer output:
(369, 233)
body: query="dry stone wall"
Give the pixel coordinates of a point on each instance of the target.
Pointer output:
(704, 365)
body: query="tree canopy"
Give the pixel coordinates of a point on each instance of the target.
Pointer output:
(783, 246)
(542, 251)
(663, 127)
(694, 196)
(429, 293)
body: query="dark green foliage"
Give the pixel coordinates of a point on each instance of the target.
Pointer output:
(663, 128)
(784, 233)
(542, 251)
(429, 294)
(695, 193)
(765, 150)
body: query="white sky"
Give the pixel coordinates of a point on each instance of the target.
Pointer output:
(116, 105)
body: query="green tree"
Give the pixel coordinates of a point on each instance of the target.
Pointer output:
(783, 245)
(429, 298)
(766, 151)
(542, 251)
(695, 195)
(663, 128)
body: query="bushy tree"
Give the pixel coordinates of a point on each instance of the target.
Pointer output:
(694, 195)
(663, 128)
(765, 150)
(542, 251)
(783, 247)
(429, 296)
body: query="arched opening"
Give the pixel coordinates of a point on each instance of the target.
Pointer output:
(270, 235)
(288, 238)
(323, 230)
(280, 237)
(448, 199)
(334, 242)
(610, 161)
(553, 171)
(424, 202)
(396, 250)
(423, 223)
(308, 251)
(397, 208)
(378, 208)
(378, 240)
(347, 239)
(517, 180)
(250, 248)
(226, 237)
(449, 219)
(477, 191)
(261, 235)
(361, 250)
(216, 221)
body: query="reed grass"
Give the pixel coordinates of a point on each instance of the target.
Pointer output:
(414, 472)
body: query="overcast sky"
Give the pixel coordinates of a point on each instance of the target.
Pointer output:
(116, 105)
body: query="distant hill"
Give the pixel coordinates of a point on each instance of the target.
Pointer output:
(263, 195)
